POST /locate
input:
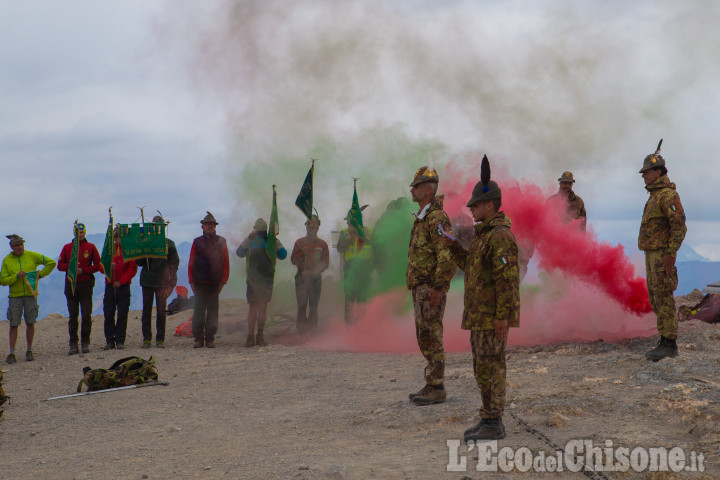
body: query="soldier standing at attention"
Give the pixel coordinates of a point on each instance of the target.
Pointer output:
(429, 271)
(492, 300)
(574, 205)
(661, 233)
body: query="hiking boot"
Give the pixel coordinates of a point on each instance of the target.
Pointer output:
(475, 428)
(11, 359)
(493, 429)
(250, 342)
(160, 344)
(664, 348)
(198, 344)
(120, 346)
(260, 339)
(85, 348)
(146, 344)
(109, 346)
(210, 343)
(436, 394)
(29, 356)
(73, 349)
(421, 393)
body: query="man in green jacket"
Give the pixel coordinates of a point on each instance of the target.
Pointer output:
(16, 267)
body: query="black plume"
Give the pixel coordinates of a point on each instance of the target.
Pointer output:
(485, 171)
(658, 149)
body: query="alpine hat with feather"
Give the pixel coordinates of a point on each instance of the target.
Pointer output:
(485, 189)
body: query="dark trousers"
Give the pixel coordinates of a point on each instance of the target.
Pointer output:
(205, 316)
(80, 303)
(116, 299)
(160, 297)
(307, 292)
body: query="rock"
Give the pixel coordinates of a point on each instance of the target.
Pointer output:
(558, 420)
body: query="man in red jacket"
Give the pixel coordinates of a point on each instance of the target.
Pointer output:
(117, 296)
(208, 272)
(80, 300)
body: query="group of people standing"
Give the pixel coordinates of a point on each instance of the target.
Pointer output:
(157, 279)
(492, 266)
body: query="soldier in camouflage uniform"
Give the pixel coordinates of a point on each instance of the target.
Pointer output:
(492, 302)
(574, 205)
(429, 271)
(661, 233)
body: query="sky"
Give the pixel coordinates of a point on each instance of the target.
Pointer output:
(186, 107)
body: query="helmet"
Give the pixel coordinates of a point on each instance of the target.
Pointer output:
(425, 174)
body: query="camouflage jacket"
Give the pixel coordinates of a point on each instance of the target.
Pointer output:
(492, 277)
(429, 259)
(574, 207)
(663, 221)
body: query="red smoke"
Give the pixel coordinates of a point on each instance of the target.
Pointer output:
(588, 291)
(558, 245)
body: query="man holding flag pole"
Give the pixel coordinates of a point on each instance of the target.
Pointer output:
(261, 248)
(355, 246)
(311, 256)
(80, 259)
(118, 277)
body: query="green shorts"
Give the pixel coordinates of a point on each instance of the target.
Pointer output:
(17, 305)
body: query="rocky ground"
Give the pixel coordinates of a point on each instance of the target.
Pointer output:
(287, 411)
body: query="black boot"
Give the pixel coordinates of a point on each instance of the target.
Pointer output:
(492, 430)
(664, 348)
(475, 428)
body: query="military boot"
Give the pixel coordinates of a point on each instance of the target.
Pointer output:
(420, 393)
(250, 342)
(475, 428)
(73, 349)
(664, 348)
(260, 339)
(435, 394)
(493, 429)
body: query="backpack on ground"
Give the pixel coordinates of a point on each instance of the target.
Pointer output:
(126, 371)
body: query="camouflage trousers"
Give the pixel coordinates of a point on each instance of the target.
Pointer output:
(490, 371)
(429, 333)
(660, 287)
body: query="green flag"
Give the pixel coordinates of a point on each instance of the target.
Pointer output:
(355, 215)
(305, 198)
(73, 265)
(142, 241)
(31, 280)
(106, 259)
(273, 229)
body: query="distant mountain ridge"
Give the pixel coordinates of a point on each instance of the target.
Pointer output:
(694, 271)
